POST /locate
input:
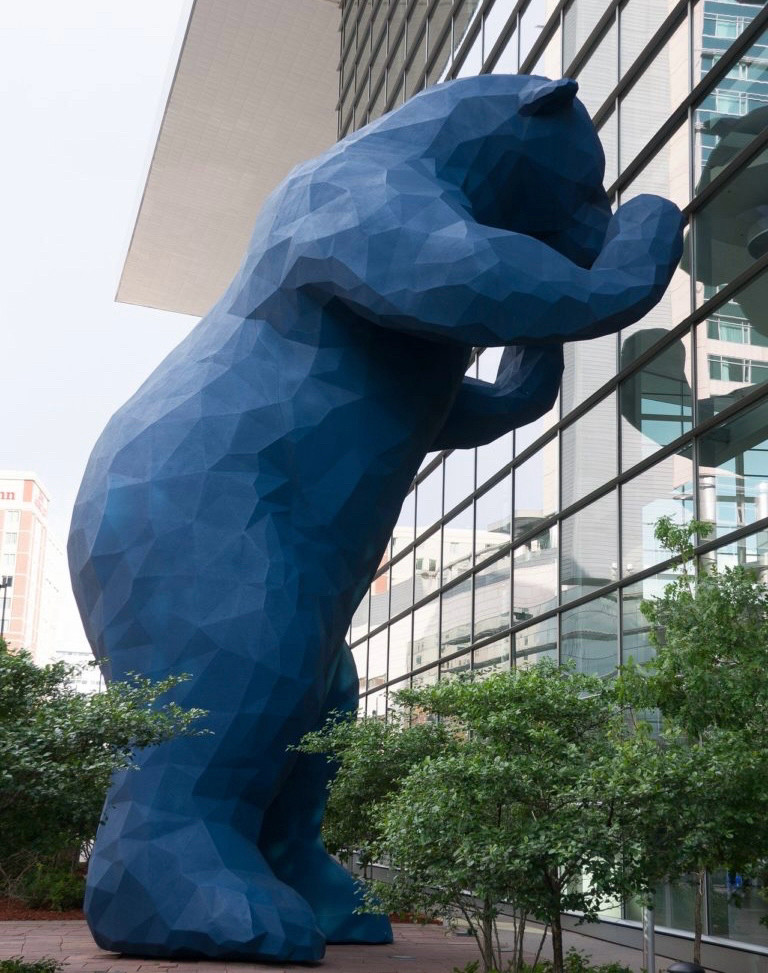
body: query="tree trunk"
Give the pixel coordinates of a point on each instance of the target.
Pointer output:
(486, 949)
(557, 945)
(698, 910)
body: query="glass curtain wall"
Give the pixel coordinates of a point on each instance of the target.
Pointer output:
(541, 544)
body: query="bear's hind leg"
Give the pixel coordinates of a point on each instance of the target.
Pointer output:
(291, 840)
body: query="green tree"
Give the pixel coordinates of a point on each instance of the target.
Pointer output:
(58, 750)
(540, 802)
(371, 758)
(709, 679)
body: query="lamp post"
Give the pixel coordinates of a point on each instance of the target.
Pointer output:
(5, 584)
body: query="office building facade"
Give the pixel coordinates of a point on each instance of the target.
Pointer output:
(541, 544)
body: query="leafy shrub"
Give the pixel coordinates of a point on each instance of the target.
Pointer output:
(16, 964)
(48, 887)
(574, 961)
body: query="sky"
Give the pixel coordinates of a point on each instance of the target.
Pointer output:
(82, 88)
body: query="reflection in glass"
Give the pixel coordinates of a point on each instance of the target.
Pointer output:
(360, 655)
(588, 365)
(426, 631)
(664, 490)
(393, 593)
(493, 591)
(429, 500)
(636, 643)
(455, 667)
(589, 636)
(715, 27)
(732, 347)
(491, 657)
(427, 678)
(392, 704)
(400, 641)
(579, 20)
(656, 402)
(495, 21)
(428, 558)
(377, 659)
(359, 626)
(535, 576)
(456, 618)
(457, 545)
(609, 137)
(507, 61)
(536, 488)
(638, 22)
(589, 552)
(733, 471)
(658, 91)
(736, 907)
(532, 19)
(536, 642)
(525, 436)
(549, 62)
(599, 73)
(459, 476)
(493, 519)
(493, 456)
(590, 435)
(376, 704)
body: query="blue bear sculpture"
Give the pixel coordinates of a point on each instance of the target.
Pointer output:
(236, 508)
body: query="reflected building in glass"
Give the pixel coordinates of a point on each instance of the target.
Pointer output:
(541, 544)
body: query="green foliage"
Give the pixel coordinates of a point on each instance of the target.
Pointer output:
(47, 886)
(17, 964)
(575, 961)
(541, 785)
(58, 750)
(372, 758)
(709, 679)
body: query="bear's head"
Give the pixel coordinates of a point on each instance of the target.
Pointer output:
(523, 152)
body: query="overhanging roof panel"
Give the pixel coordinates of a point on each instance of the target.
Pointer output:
(254, 94)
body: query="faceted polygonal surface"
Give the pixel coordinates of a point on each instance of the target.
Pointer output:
(236, 508)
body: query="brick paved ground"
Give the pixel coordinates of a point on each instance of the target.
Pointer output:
(416, 949)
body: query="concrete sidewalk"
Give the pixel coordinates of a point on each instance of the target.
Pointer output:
(416, 949)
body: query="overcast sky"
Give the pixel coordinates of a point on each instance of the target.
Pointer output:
(82, 88)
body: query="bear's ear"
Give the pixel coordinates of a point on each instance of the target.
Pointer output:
(541, 99)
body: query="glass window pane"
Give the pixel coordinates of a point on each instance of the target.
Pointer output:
(360, 618)
(733, 470)
(549, 62)
(417, 59)
(456, 624)
(635, 627)
(426, 633)
(459, 477)
(493, 590)
(507, 61)
(580, 19)
(532, 20)
(439, 43)
(736, 906)
(592, 435)
(599, 74)
(715, 27)
(458, 535)
(463, 20)
(376, 704)
(526, 435)
(536, 488)
(588, 366)
(731, 230)
(493, 456)
(638, 22)
(736, 332)
(536, 642)
(428, 556)
(664, 490)
(496, 20)
(473, 59)
(535, 576)
(589, 550)
(400, 642)
(493, 519)
(453, 668)
(657, 92)
(493, 656)
(427, 678)
(360, 655)
(377, 660)
(656, 402)
(589, 635)
(609, 138)
(667, 172)
(429, 500)
(401, 579)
